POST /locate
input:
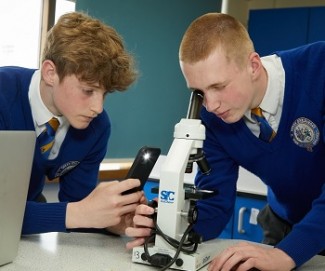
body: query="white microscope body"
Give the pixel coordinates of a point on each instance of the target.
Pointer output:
(175, 209)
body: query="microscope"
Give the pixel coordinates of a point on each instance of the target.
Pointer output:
(173, 243)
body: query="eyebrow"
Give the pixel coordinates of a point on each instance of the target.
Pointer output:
(219, 84)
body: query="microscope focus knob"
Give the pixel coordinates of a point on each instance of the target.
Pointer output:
(192, 214)
(179, 262)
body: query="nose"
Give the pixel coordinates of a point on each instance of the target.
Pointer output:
(97, 104)
(211, 103)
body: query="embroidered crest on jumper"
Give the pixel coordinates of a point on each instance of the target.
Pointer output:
(66, 168)
(304, 133)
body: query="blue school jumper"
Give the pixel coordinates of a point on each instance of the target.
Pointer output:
(76, 165)
(292, 165)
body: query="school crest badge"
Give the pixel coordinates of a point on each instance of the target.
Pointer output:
(66, 168)
(305, 133)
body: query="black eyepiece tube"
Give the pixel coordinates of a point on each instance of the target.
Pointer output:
(204, 165)
(194, 107)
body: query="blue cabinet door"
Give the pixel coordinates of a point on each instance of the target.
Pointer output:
(278, 29)
(286, 28)
(228, 231)
(245, 224)
(151, 189)
(316, 24)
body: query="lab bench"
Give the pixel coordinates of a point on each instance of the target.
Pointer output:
(90, 251)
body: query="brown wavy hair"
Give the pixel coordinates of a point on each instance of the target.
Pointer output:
(212, 31)
(84, 46)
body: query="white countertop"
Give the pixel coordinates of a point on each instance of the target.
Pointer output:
(250, 183)
(87, 251)
(247, 182)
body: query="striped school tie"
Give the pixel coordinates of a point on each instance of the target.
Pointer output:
(266, 132)
(46, 138)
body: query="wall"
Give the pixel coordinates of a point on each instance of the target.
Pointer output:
(152, 30)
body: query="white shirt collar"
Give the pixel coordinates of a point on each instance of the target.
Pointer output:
(40, 112)
(275, 85)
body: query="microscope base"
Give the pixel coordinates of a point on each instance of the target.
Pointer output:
(190, 262)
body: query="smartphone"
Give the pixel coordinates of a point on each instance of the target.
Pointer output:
(142, 166)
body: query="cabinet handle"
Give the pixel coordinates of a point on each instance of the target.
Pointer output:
(241, 220)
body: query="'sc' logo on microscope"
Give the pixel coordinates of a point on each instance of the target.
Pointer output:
(167, 196)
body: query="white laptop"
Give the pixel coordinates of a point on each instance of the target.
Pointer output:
(16, 158)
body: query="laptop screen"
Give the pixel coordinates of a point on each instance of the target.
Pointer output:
(16, 158)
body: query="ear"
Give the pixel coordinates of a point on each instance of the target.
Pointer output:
(48, 71)
(256, 66)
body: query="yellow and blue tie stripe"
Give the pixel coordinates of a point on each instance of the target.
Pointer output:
(46, 138)
(266, 132)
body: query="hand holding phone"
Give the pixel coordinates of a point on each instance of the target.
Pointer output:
(142, 166)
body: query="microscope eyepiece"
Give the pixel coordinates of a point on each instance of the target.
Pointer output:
(196, 102)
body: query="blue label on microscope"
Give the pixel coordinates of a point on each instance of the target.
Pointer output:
(167, 196)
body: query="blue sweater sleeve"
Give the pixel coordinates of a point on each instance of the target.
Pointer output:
(44, 217)
(307, 237)
(215, 213)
